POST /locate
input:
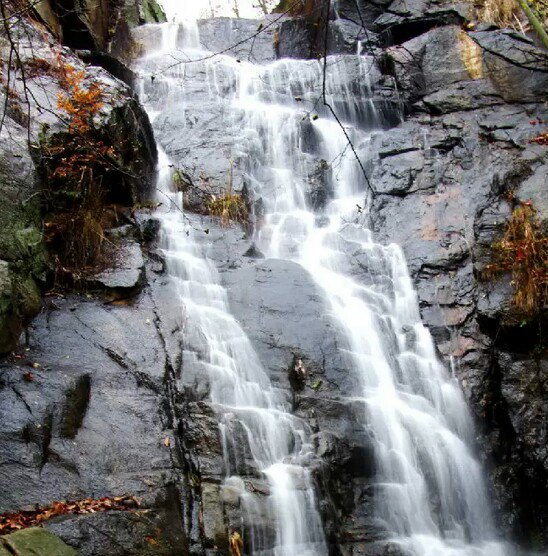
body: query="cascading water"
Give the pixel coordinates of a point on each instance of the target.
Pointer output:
(429, 491)
(240, 390)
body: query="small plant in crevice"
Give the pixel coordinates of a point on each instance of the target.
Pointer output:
(523, 252)
(76, 164)
(228, 206)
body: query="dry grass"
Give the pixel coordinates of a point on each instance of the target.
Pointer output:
(523, 251)
(76, 166)
(228, 207)
(502, 13)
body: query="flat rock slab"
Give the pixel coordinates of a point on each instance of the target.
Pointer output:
(34, 542)
(127, 274)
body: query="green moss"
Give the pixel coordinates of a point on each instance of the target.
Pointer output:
(28, 296)
(34, 542)
(144, 11)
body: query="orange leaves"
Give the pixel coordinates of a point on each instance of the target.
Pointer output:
(523, 251)
(81, 103)
(77, 165)
(32, 518)
(541, 139)
(235, 543)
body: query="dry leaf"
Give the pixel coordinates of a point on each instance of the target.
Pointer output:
(32, 517)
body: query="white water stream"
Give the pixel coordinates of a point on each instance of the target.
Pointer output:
(429, 490)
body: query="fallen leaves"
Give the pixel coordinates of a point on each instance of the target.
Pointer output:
(35, 517)
(541, 139)
(236, 544)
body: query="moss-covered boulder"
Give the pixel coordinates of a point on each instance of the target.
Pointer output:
(25, 193)
(140, 12)
(23, 259)
(34, 542)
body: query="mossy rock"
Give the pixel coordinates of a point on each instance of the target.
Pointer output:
(8, 332)
(34, 542)
(23, 255)
(143, 11)
(19, 300)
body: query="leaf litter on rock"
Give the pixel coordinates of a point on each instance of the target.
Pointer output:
(33, 517)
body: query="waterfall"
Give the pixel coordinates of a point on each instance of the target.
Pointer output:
(246, 402)
(429, 490)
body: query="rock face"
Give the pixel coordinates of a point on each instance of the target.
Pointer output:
(23, 259)
(22, 254)
(443, 177)
(38, 542)
(72, 430)
(102, 25)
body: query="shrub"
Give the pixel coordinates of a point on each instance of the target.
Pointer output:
(229, 207)
(523, 251)
(76, 166)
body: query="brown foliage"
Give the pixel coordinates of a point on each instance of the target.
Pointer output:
(77, 163)
(541, 139)
(228, 207)
(10, 522)
(523, 251)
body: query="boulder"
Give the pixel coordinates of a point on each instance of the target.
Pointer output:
(34, 542)
(485, 69)
(23, 259)
(82, 24)
(127, 271)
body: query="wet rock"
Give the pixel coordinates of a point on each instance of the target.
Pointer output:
(446, 226)
(93, 421)
(298, 38)
(121, 117)
(95, 26)
(35, 541)
(222, 33)
(205, 155)
(534, 189)
(126, 274)
(428, 63)
(517, 68)
(462, 96)
(23, 260)
(254, 253)
(345, 37)
(271, 299)
(360, 12)
(319, 188)
(485, 68)
(139, 12)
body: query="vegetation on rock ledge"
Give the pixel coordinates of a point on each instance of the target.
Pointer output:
(77, 167)
(523, 251)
